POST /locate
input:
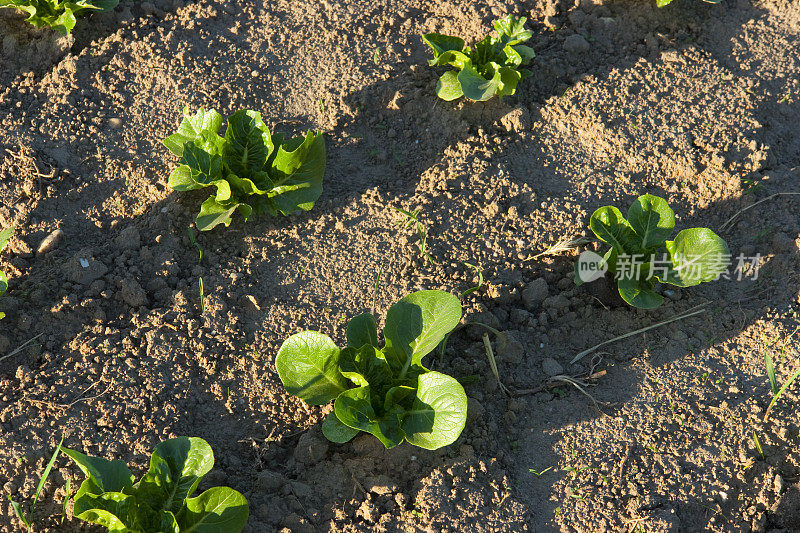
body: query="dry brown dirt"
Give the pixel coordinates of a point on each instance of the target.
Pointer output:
(693, 102)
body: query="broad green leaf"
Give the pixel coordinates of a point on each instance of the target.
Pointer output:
(3, 282)
(217, 510)
(398, 395)
(176, 468)
(213, 213)
(439, 413)
(609, 258)
(417, 324)
(248, 143)
(511, 30)
(475, 86)
(199, 128)
(113, 510)
(5, 236)
(182, 179)
(335, 431)
(365, 366)
(108, 476)
(639, 293)
(486, 51)
(652, 219)
(65, 22)
(513, 58)
(206, 170)
(308, 365)
(362, 330)
(144, 519)
(448, 87)
(611, 227)
(525, 52)
(697, 255)
(509, 78)
(101, 5)
(297, 171)
(662, 3)
(354, 408)
(453, 58)
(441, 44)
(247, 187)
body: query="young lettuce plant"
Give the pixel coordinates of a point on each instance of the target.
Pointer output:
(640, 253)
(160, 501)
(385, 390)
(252, 170)
(491, 68)
(57, 14)
(5, 236)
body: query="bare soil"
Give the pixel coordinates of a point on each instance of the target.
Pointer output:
(695, 102)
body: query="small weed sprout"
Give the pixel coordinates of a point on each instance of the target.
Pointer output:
(5, 236)
(28, 518)
(411, 218)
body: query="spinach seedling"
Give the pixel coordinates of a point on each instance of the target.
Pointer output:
(638, 242)
(252, 170)
(160, 500)
(5, 236)
(640, 253)
(57, 14)
(384, 391)
(492, 68)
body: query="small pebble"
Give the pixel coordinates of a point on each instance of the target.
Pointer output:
(50, 242)
(115, 123)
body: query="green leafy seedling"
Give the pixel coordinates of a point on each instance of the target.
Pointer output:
(57, 14)
(492, 68)
(28, 519)
(385, 391)
(5, 236)
(161, 500)
(253, 170)
(696, 255)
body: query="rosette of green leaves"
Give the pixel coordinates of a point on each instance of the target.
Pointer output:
(57, 14)
(5, 236)
(252, 170)
(695, 256)
(491, 68)
(161, 500)
(385, 390)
